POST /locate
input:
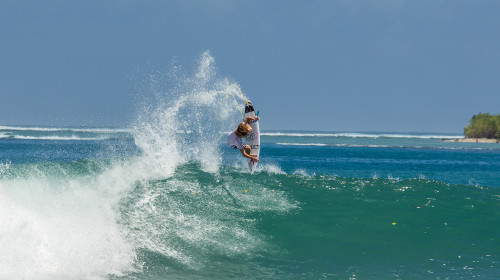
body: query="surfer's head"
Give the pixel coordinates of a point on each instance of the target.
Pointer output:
(243, 130)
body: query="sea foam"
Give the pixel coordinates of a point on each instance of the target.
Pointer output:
(175, 199)
(58, 226)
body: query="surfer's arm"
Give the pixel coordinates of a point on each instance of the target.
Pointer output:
(254, 157)
(249, 118)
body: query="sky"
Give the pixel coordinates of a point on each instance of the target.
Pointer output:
(346, 65)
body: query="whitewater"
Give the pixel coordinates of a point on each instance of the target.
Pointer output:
(164, 198)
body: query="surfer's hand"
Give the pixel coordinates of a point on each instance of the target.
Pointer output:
(250, 118)
(256, 159)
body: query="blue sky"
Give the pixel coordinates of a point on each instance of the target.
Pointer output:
(349, 65)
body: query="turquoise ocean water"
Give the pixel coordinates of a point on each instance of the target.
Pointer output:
(164, 198)
(92, 204)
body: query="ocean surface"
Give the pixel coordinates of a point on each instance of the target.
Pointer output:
(165, 198)
(95, 203)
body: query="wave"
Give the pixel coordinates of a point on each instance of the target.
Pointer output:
(337, 145)
(59, 129)
(387, 146)
(122, 221)
(64, 134)
(173, 203)
(54, 138)
(58, 219)
(89, 219)
(360, 135)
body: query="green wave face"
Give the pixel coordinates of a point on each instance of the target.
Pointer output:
(97, 219)
(270, 225)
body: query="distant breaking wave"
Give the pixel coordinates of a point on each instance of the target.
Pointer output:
(335, 145)
(383, 146)
(56, 138)
(63, 134)
(359, 135)
(53, 129)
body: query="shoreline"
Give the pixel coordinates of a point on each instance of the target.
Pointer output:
(471, 140)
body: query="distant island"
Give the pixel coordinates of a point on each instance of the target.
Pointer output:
(482, 128)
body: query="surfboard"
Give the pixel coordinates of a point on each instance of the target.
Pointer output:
(253, 139)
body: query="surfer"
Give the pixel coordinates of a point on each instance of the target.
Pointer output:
(234, 138)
